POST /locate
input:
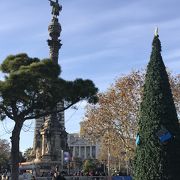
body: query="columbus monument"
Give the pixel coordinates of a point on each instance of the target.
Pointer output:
(50, 137)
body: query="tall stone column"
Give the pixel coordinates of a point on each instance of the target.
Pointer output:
(79, 151)
(50, 137)
(54, 29)
(54, 43)
(85, 152)
(73, 151)
(90, 150)
(57, 129)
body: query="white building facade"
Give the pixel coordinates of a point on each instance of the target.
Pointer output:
(81, 147)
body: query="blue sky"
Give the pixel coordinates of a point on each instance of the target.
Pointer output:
(102, 40)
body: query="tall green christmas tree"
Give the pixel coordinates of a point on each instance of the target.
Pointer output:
(158, 148)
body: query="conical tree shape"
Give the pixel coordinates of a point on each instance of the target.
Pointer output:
(156, 159)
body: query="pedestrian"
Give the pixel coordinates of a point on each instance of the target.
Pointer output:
(3, 177)
(60, 177)
(33, 178)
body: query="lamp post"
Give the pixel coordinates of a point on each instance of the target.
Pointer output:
(108, 160)
(109, 157)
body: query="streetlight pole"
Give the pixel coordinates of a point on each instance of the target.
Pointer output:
(109, 162)
(109, 156)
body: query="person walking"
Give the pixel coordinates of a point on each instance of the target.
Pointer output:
(59, 177)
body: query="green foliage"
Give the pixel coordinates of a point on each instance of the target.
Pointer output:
(4, 152)
(31, 89)
(31, 86)
(89, 165)
(28, 153)
(13, 63)
(155, 160)
(76, 164)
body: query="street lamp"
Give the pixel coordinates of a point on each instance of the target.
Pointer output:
(109, 157)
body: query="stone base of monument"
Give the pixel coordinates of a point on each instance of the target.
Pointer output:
(41, 167)
(46, 157)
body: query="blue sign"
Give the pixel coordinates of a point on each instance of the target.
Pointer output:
(66, 156)
(137, 140)
(165, 137)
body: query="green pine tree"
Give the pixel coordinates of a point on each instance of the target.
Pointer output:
(156, 160)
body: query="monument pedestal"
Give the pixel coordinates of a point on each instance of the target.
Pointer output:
(46, 157)
(41, 167)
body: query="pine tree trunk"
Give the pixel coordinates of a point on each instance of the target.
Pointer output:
(15, 138)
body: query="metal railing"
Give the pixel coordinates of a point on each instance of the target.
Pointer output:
(78, 178)
(87, 178)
